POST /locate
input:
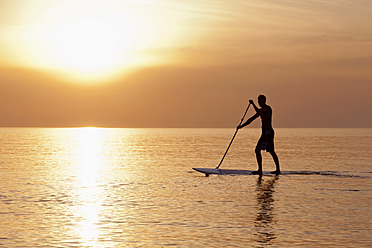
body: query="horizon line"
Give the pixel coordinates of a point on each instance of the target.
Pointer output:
(185, 127)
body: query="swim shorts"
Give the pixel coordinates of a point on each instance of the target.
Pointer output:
(266, 141)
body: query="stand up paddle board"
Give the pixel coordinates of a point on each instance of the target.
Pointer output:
(208, 171)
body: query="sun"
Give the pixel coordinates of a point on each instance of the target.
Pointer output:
(84, 46)
(92, 41)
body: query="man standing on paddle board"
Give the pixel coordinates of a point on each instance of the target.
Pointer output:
(266, 141)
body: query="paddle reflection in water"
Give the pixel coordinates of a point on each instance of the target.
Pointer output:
(265, 218)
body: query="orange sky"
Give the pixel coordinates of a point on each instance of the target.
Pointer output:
(185, 63)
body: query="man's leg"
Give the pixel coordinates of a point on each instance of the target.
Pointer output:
(276, 160)
(259, 160)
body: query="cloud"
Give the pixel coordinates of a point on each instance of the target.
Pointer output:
(187, 97)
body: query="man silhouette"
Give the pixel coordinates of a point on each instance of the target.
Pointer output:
(266, 141)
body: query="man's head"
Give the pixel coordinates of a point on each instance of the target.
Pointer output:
(261, 100)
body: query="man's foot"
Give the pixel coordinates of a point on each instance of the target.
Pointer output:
(277, 172)
(257, 172)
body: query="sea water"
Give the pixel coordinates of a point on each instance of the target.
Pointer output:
(98, 187)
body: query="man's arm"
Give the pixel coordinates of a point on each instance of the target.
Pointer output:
(254, 106)
(248, 121)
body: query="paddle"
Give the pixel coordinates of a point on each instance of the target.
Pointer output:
(236, 131)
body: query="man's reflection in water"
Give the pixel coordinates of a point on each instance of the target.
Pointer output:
(265, 218)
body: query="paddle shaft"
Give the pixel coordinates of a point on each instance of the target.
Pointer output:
(236, 131)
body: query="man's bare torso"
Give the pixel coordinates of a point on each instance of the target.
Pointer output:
(266, 115)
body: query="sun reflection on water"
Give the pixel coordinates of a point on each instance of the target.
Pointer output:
(90, 146)
(89, 178)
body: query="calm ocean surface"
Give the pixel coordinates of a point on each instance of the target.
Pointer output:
(97, 187)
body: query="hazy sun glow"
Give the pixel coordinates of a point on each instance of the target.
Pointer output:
(91, 40)
(85, 46)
